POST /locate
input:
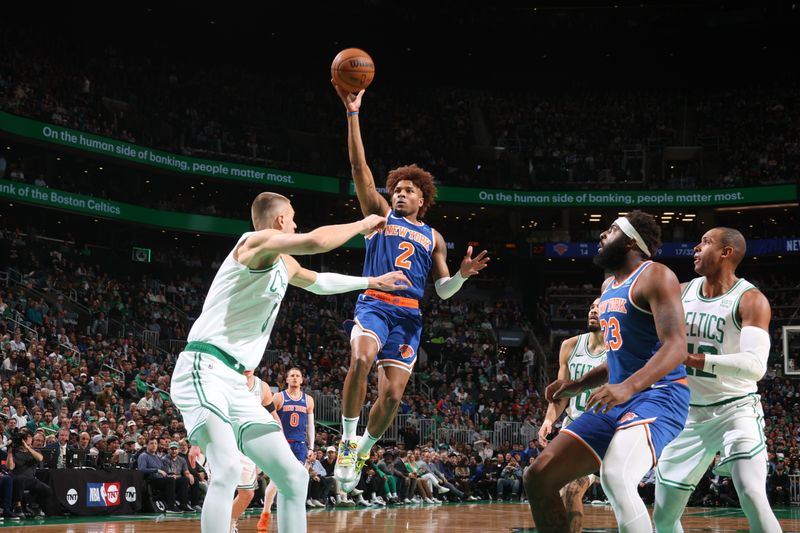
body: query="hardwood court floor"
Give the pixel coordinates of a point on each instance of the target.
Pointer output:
(456, 518)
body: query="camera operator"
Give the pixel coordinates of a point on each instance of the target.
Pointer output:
(22, 460)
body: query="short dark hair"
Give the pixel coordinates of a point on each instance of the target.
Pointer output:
(645, 224)
(733, 238)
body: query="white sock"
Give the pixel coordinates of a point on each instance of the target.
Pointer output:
(272, 454)
(349, 427)
(225, 464)
(749, 478)
(366, 443)
(627, 460)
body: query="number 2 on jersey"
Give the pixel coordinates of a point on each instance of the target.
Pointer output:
(612, 333)
(402, 259)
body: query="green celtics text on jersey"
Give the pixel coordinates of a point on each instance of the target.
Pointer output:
(581, 361)
(240, 309)
(712, 328)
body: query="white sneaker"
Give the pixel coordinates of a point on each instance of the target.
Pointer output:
(345, 469)
(234, 526)
(377, 500)
(317, 503)
(428, 500)
(362, 501)
(356, 492)
(415, 499)
(309, 503)
(472, 499)
(443, 490)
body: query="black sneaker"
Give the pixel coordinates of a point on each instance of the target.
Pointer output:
(13, 515)
(174, 510)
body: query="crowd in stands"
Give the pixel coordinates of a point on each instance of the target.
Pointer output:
(534, 139)
(70, 382)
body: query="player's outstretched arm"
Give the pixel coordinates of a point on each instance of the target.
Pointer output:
(447, 286)
(271, 242)
(331, 283)
(372, 202)
(750, 362)
(557, 406)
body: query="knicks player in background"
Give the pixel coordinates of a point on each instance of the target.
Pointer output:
(230, 335)
(248, 479)
(296, 412)
(642, 399)
(389, 326)
(727, 321)
(579, 355)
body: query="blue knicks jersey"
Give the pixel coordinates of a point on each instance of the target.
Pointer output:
(294, 417)
(630, 332)
(402, 246)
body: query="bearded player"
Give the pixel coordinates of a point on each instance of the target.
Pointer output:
(387, 327)
(641, 401)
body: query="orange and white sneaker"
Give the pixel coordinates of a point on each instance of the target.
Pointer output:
(263, 522)
(345, 469)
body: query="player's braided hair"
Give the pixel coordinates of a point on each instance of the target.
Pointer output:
(648, 229)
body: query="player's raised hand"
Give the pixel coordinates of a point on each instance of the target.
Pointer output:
(372, 223)
(351, 101)
(391, 281)
(472, 265)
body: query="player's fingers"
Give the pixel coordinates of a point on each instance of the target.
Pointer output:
(481, 255)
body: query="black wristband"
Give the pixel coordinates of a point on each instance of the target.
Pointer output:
(270, 407)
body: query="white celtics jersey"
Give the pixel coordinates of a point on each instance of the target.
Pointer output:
(240, 309)
(581, 361)
(712, 328)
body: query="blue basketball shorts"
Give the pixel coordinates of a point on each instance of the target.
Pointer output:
(662, 410)
(396, 329)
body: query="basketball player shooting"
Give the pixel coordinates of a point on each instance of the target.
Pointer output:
(642, 398)
(388, 327)
(728, 324)
(229, 337)
(578, 356)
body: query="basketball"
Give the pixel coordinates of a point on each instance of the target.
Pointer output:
(352, 69)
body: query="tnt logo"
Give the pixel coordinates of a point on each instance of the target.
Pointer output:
(72, 496)
(102, 494)
(130, 494)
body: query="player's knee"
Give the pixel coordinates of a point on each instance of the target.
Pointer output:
(393, 395)
(361, 362)
(534, 478)
(612, 480)
(296, 480)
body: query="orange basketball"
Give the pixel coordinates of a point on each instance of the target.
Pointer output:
(352, 69)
